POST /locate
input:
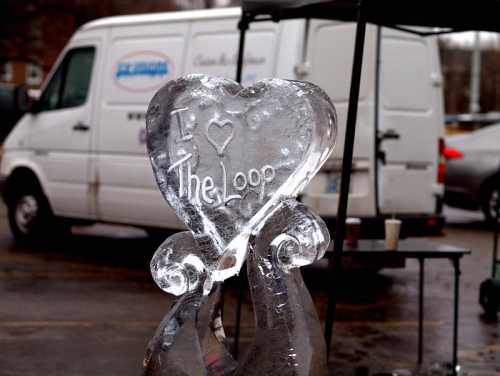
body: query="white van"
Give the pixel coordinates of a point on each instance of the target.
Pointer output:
(80, 154)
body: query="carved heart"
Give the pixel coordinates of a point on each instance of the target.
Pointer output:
(220, 147)
(224, 157)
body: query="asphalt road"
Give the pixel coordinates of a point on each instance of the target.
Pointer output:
(87, 306)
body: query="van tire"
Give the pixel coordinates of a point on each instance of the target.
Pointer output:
(30, 217)
(489, 198)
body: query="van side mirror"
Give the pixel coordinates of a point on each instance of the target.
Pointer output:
(28, 100)
(35, 104)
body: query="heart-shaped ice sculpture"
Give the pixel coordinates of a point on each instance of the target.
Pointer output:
(225, 156)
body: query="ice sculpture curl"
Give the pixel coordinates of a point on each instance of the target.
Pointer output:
(230, 161)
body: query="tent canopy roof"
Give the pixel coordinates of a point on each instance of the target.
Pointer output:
(456, 15)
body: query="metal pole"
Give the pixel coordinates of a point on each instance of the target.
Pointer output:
(243, 27)
(456, 267)
(496, 230)
(421, 313)
(377, 116)
(336, 261)
(475, 78)
(495, 244)
(239, 303)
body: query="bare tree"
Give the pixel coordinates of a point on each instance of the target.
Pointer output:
(36, 30)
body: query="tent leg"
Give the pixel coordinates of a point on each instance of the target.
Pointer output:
(335, 263)
(243, 26)
(496, 230)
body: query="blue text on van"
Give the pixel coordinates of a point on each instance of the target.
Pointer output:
(142, 68)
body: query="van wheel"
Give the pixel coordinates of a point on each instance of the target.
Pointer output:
(30, 217)
(490, 201)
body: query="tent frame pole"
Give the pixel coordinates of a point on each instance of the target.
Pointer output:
(243, 27)
(335, 262)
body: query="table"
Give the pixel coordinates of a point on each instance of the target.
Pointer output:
(420, 250)
(368, 251)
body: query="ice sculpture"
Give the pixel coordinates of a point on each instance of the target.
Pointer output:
(288, 338)
(230, 161)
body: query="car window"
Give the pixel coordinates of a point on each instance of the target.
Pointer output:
(69, 85)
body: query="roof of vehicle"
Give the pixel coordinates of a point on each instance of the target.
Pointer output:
(138, 19)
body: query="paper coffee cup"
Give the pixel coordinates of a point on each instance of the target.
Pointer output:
(392, 229)
(353, 231)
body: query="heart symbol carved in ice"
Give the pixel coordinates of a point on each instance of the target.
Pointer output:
(225, 156)
(221, 146)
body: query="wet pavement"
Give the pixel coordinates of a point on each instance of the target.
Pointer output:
(87, 306)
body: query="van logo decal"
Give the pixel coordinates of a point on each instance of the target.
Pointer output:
(142, 71)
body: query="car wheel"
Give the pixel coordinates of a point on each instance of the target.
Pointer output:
(30, 217)
(490, 201)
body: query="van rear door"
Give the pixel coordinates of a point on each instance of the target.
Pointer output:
(330, 48)
(411, 106)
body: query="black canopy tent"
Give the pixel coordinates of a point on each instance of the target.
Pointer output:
(456, 15)
(439, 15)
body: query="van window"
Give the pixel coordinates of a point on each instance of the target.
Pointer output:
(69, 85)
(331, 55)
(405, 75)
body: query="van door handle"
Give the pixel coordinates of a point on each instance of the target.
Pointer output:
(389, 134)
(80, 127)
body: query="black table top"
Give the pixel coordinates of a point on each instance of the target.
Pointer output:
(407, 248)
